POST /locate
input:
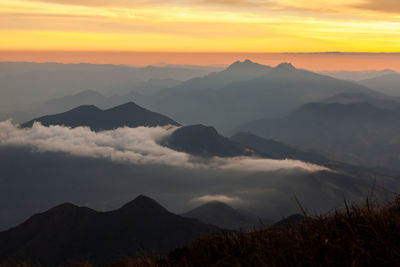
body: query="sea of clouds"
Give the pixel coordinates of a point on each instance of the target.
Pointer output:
(139, 145)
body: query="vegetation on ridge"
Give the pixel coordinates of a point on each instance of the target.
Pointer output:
(366, 235)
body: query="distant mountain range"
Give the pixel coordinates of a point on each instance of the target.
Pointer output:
(24, 85)
(246, 91)
(357, 75)
(67, 232)
(242, 92)
(129, 114)
(384, 102)
(356, 133)
(388, 84)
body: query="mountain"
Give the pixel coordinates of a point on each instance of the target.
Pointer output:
(68, 232)
(24, 85)
(129, 114)
(201, 140)
(384, 102)
(356, 133)
(68, 102)
(238, 71)
(388, 84)
(246, 91)
(223, 216)
(268, 148)
(357, 75)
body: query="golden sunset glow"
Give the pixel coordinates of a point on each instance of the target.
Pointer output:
(201, 25)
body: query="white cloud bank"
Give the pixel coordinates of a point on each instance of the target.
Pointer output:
(219, 198)
(131, 145)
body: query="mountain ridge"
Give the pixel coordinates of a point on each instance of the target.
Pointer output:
(68, 232)
(128, 114)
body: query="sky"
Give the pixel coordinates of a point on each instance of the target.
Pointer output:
(211, 26)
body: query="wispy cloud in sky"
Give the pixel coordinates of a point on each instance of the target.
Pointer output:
(200, 25)
(389, 6)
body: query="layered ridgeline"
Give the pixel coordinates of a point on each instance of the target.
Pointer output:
(246, 91)
(129, 115)
(68, 232)
(179, 165)
(25, 86)
(359, 133)
(385, 102)
(388, 84)
(243, 92)
(357, 75)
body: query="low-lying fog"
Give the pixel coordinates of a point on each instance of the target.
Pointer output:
(44, 166)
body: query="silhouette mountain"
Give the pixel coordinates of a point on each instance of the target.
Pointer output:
(204, 141)
(129, 114)
(238, 71)
(223, 216)
(357, 133)
(68, 232)
(285, 67)
(247, 91)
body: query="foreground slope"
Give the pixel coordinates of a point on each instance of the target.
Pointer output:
(68, 232)
(356, 236)
(129, 114)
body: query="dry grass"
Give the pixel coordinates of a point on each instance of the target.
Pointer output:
(366, 235)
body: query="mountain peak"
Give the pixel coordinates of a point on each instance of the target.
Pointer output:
(85, 108)
(142, 203)
(205, 141)
(245, 65)
(126, 115)
(286, 66)
(127, 106)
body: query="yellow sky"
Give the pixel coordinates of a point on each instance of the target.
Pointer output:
(201, 25)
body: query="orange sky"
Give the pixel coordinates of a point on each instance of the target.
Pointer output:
(221, 26)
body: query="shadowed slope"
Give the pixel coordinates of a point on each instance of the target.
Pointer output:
(222, 215)
(69, 232)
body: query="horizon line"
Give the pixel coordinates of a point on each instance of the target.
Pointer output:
(198, 52)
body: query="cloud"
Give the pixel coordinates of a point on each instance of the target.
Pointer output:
(135, 3)
(133, 146)
(389, 6)
(219, 198)
(247, 164)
